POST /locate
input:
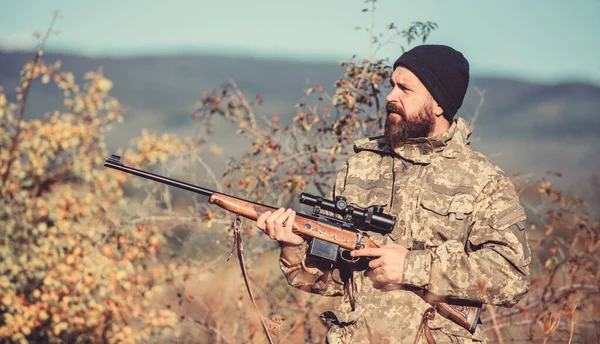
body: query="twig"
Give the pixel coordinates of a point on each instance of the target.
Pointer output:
(246, 105)
(529, 340)
(496, 327)
(371, 28)
(545, 298)
(210, 173)
(593, 288)
(374, 92)
(15, 142)
(297, 155)
(481, 94)
(106, 235)
(572, 327)
(210, 328)
(174, 217)
(514, 324)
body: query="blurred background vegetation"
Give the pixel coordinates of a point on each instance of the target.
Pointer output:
(89, 254)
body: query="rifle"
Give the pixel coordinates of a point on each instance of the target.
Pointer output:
(331, 238)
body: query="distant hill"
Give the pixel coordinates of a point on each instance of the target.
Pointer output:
(522, 126)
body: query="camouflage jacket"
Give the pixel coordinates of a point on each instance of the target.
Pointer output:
(461, 219)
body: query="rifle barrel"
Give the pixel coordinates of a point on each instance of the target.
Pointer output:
(114, 161)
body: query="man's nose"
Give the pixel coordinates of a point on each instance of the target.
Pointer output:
(390, 96)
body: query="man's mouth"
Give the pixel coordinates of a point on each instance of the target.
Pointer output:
(391, 109)
(395, 115)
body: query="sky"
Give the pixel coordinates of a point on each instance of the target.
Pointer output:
(544, 41)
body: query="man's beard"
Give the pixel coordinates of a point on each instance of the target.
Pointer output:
(398, 131)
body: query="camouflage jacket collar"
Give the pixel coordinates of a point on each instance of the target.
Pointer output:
(422, 150)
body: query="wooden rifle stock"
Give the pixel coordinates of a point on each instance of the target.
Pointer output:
(465, 316)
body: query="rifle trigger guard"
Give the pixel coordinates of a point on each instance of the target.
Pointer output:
(345, 253)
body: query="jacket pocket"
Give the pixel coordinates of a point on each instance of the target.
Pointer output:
(365, 193)
(510, 224)
(444, 217)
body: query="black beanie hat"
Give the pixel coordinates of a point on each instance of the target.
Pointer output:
(444, 72)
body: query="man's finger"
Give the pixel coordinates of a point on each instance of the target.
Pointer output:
(290, 222)
(375, 263)
(271, 219)
(367, 252)
(380, 278)
(281, 219)
(260, 222)
(390, 245)
(279, 212)
(279, 229)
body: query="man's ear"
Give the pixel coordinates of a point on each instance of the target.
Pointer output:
(437, 109)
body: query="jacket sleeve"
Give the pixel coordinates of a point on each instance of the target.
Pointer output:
(493, 266)
(311, 274)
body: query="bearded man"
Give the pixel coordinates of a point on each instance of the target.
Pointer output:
(458, 236)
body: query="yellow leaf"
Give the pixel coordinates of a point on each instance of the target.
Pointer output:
(216, 150)
(154, 240)
(104, 85)
(43, 315)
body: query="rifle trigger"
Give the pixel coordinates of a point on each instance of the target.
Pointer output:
(359, 236)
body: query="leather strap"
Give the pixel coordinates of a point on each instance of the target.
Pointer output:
(237, 242)
(428, 334)
(429, 314)
(347, 275)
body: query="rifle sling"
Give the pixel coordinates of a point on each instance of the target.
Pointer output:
(240, 252)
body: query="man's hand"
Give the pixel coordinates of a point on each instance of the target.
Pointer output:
(388, 266)
(278, 226)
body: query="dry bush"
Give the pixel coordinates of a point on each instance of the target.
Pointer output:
(72, 269)
(561, 304)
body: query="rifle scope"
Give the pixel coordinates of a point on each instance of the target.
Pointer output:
(372, 219)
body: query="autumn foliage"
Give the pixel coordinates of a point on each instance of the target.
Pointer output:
(89, 254)
(71, 268)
